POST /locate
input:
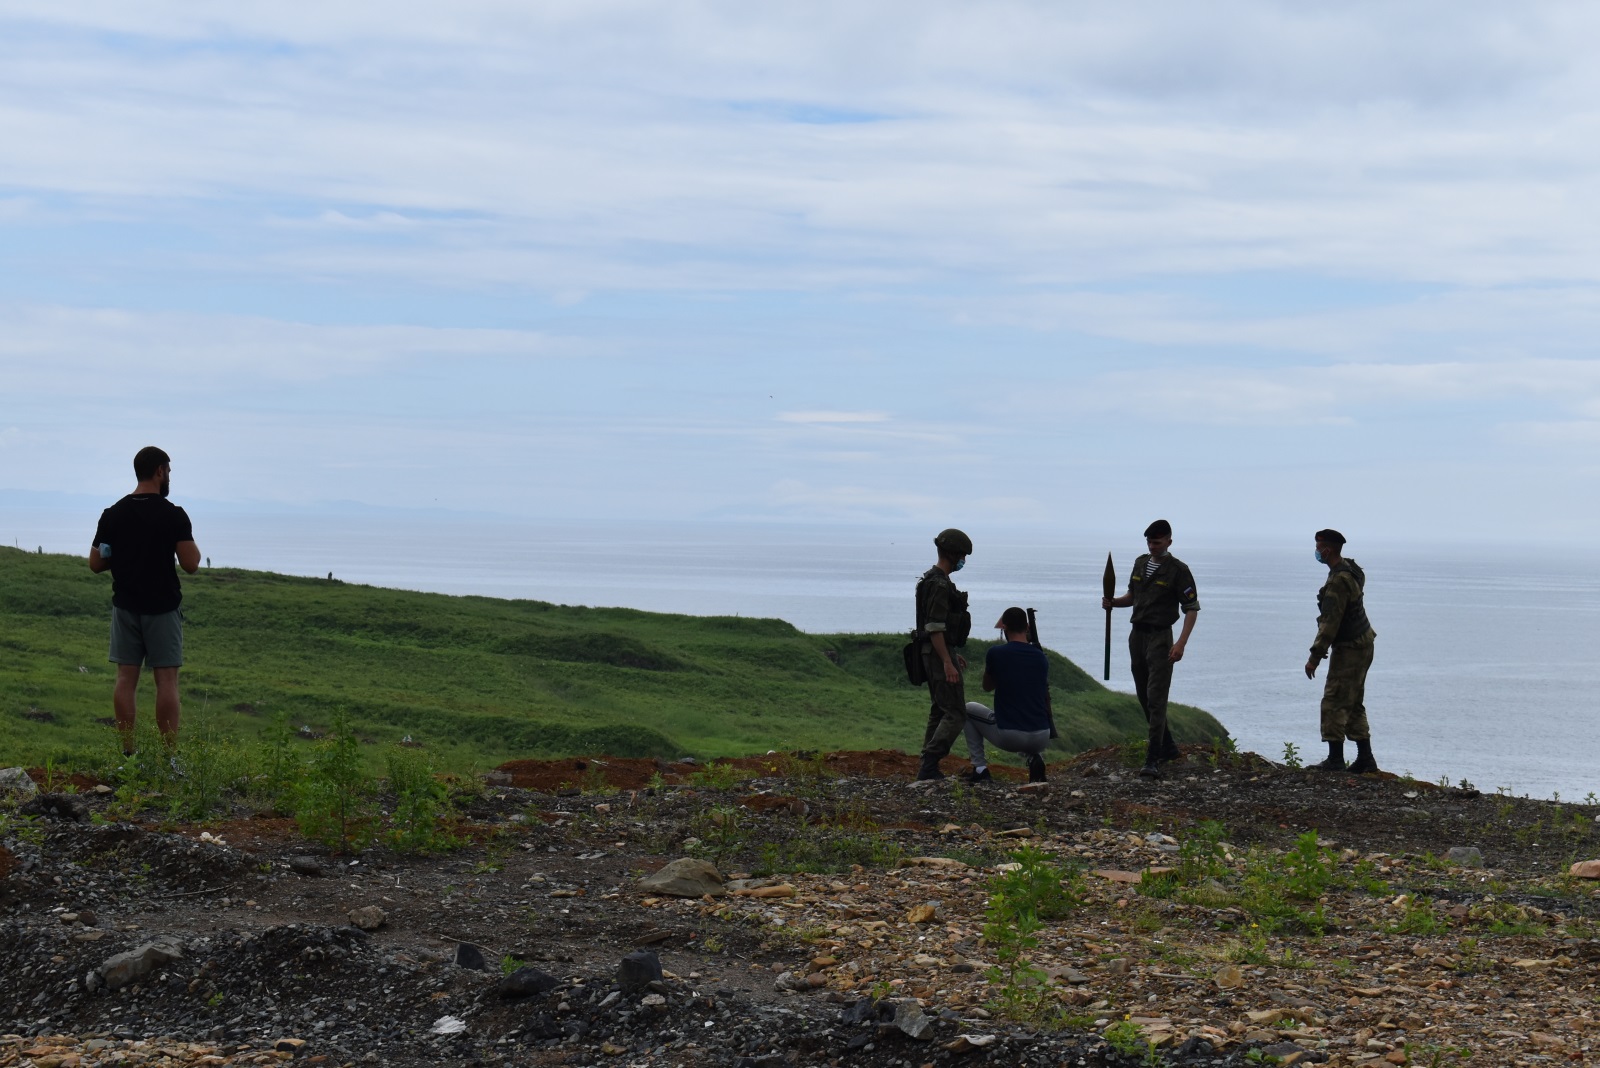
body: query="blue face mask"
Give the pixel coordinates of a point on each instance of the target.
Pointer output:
(1318, 555)
(961, 563)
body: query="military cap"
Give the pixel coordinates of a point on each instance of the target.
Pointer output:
(953, 543)
(1159, 529)
(1332, 537)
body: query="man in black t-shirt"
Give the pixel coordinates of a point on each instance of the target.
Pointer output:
(136, 541)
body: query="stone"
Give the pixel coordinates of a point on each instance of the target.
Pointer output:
(1585, 869)
(289, 1045)
(686, 877)
(1465, 856)
(124, 968)
(963, 1043)
(1118, 966)
(859, 1012)
(638, 970)
(368, 917)
(928, 913)
(653, 1001)
(57, 807)
(310, 867)
(470, 957)
(15, 785)
(910, 1019)
(781, 890)
(526, 982)
(1229, 977)
(448, 1025)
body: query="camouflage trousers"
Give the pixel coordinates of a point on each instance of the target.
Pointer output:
(1344, 711)
(947, 715)
(1152, 679)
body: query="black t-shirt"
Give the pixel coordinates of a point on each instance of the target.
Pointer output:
(1021, 686)
(143, 530)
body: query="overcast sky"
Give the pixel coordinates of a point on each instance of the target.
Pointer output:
(1256, 267)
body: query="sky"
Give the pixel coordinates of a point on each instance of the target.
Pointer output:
(1256, 267)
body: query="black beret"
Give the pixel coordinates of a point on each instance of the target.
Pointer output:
(1159, 529)
(1332, 537)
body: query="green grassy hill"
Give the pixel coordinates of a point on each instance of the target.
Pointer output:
(478, 680)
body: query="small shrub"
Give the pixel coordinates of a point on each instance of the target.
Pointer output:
(333, 803)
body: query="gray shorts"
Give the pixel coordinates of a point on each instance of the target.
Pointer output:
(153, 640)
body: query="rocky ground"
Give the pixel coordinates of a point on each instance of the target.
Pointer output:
(849, 930)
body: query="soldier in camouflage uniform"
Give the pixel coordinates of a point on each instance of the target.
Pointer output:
(943, 624)
(1160, 590)
(1343, 628)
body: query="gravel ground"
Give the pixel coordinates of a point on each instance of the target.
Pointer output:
(865, 959)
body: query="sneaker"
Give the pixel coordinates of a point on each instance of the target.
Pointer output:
(1362, 765)
(1151, 771)
(1330, 764)
(976, 776)
(1035, 768)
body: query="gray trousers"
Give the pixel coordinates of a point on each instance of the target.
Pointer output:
(981, 726)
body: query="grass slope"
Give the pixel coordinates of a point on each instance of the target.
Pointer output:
(480, 680)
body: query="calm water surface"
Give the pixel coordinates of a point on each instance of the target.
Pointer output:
(1482, 668)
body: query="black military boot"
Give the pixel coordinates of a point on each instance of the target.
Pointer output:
(1035, 767)
(1169, 748)
(1363, 762)
(929, 768)
(1335, 761)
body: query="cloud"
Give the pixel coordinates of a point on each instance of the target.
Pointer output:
(53, 348)
(832, 417)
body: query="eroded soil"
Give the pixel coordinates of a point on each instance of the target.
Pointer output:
(831, 928)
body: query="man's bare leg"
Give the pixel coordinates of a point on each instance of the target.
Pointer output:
(123, 703)
(167, 705)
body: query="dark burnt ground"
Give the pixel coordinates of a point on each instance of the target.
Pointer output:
(269, 953)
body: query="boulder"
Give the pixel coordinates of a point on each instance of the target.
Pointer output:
(1586, 869)
(368, 917)
(526, 982)
(686, 877)
(307, 866)
(470, 957)
(57, 807)
(1465, 856)
(909, 1018)
(124, 968)
(16, 786)
(638, 970)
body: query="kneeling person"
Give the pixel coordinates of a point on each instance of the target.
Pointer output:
(1018, 674)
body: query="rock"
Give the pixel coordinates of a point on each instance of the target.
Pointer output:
(1465, 856)
(928, 913)
(638, 970)
(57, 807)
(289, 1045)
(781, 890)
(1118, 966)
(859, 1012)
(307, 866)
(686, 877)
(16, 786)
(1031, 788)
(448, 1025)
(653, 1001)
(963, 1043)
(1229, 977)
(470, 957)
(368, 917)
(909, 1018)
(526, 982)
(124, 968)
(88, 918)
(1586, 869)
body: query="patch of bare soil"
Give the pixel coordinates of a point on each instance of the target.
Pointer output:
(850, 931)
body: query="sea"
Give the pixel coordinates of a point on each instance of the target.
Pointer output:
(1485, 653)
